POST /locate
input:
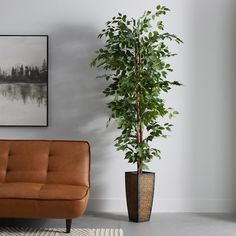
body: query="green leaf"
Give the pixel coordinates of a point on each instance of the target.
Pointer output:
(176, 83)
(160, 25)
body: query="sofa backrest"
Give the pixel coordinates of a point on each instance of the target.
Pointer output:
(44, 161)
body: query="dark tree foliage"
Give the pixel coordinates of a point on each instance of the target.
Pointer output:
(25, 74)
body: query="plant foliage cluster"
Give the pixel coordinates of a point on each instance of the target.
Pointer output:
(134, 57)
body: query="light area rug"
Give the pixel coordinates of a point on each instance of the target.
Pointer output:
(17, 231)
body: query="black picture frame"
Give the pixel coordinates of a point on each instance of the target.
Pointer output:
(39, 80)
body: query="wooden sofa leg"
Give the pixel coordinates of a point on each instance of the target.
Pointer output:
(68, 225)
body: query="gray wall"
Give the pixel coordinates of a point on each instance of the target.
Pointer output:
(196, 172)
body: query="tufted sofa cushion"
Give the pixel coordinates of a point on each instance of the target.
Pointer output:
(26, 161)
(45, 162)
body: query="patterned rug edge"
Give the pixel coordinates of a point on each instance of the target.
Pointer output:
(20, 231)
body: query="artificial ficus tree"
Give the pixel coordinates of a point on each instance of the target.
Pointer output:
(135, 58)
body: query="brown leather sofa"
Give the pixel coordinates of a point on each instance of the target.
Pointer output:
(44, 179)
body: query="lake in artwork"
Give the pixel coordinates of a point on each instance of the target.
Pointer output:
(23, 103)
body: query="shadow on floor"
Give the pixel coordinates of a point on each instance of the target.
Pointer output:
(32, 223)
(110, 216)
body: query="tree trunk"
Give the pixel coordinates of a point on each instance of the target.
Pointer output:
(139, 128)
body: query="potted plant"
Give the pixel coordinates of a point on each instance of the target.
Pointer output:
(135, 58)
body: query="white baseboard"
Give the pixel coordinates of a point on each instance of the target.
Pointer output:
(168, 205)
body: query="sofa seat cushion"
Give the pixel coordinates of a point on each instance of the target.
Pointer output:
(37, 191)
(20, 190)
(62, 192)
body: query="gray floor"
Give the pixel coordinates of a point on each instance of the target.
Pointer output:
(162, 224)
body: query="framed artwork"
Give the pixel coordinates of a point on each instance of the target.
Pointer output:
(24, 80)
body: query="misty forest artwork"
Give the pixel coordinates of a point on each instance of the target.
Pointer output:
(23, 80)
